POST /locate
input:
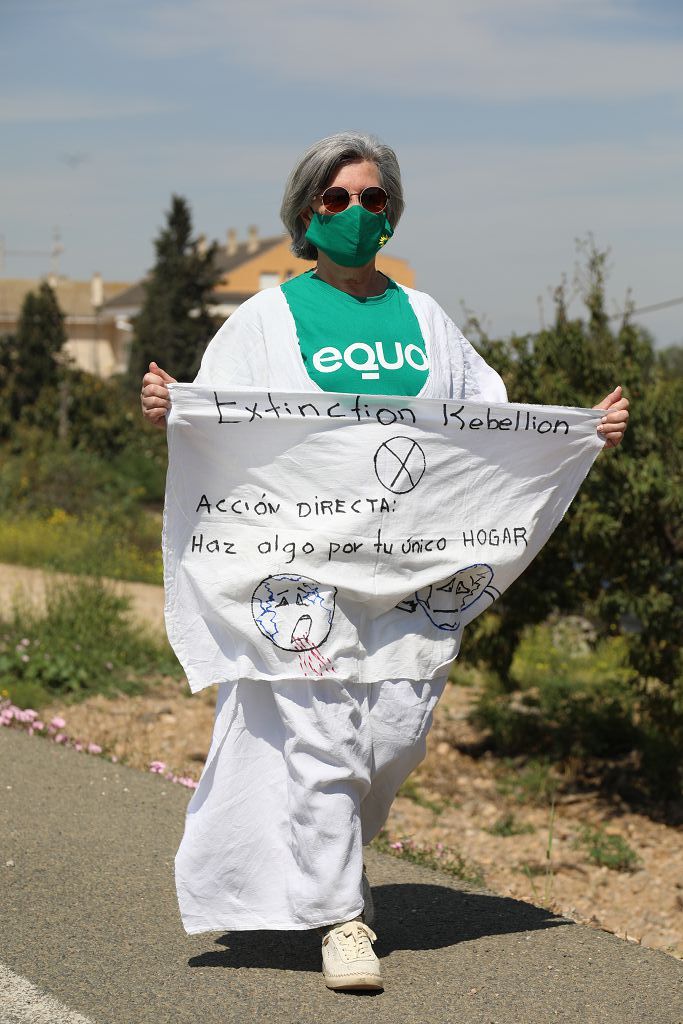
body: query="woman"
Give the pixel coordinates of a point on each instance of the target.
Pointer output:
(306, 772)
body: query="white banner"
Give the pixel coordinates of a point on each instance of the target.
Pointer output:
(353, 537)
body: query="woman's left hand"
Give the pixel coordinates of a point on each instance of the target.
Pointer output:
(613, 424)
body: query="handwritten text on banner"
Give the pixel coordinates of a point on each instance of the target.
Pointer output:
(311, 535)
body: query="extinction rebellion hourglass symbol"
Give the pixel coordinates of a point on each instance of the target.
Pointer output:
(400, 464)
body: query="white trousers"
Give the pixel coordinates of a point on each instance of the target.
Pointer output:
(299, 776)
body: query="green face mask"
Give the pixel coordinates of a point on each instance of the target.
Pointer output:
(350, 238)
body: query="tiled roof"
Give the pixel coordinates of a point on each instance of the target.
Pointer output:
(135, 294)
(229, 298)
(73, 296)
(225, 263)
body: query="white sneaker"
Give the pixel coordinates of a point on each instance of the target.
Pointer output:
(368, 914)
(349, 960)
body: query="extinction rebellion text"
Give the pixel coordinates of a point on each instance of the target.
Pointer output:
(452, 415)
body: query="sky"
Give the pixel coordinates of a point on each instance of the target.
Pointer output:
(520, 129)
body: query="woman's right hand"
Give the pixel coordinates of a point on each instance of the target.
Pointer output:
(155, 397)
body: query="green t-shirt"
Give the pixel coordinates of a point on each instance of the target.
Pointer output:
(357, 345)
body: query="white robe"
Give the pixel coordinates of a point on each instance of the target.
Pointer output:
(301, 774)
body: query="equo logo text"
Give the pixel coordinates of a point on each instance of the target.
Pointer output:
(367, 359)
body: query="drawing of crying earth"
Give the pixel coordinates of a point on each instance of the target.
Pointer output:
(296, 613)
(443, 603)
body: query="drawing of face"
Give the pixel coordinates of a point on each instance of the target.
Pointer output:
(443, 602)
(295, 612)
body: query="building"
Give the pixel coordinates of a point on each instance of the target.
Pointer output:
(99, 314)
(250, 266)
(97, 342)
(246, 267)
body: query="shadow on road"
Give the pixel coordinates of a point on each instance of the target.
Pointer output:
(408, 917)
(432, 917)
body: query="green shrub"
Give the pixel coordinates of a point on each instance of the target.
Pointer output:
(508, 825)
(411, 791)
(572, 696)
(578, 695)
(607, 849)
(84, 643)
(533, 782)
(38, 478)
(438, 857)
(121, 549)
(585, 686)
(617, 555)
(82, 503)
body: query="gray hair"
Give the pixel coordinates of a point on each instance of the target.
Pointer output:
(314, 170)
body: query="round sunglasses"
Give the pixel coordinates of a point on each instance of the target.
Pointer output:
(336, 198)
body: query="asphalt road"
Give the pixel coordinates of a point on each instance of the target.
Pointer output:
(90, 931)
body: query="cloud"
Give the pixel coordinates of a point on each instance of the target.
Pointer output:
(485, 49)
(50, 107)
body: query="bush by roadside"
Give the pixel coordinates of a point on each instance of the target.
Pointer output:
(90, 503)
(106, 545)
(577, 696)
(84, 644)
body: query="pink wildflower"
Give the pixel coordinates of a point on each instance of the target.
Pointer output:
(39, 725)
(94, 748)
(57, 722)
(25, 642)
(185, 780)
(26, 657)
(61, 737)
(396, 846)
(78, 746)
(159, 768)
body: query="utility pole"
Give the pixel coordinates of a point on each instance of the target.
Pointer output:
(96, 300)
(53, 254)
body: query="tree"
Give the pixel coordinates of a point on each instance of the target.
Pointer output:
(617, 557)
(671, 360)
(615, 562)
(38, 343)
(7, 354)
(174, 326)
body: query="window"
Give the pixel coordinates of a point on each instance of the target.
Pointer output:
(268, 279)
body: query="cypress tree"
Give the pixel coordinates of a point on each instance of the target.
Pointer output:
(174, 326)
(39, 340)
